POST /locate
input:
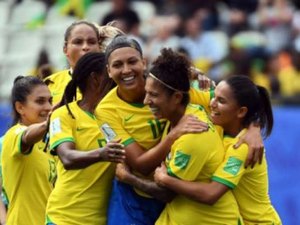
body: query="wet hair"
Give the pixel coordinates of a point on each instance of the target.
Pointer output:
(257, 101)
(173, 69)
(76, 23)
(107, 33)
(92, 62)
(22, 87)
(122, 41)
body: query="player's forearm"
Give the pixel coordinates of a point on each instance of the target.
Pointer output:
(74, 159)
(207, 193)
(151, 188)
(34, 133)
(149, 160)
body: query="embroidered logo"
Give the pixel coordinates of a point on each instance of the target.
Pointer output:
(182, 159)
(128, 118)
(80, 128)
(233, 165)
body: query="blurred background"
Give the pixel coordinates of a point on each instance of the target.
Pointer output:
(255, 38)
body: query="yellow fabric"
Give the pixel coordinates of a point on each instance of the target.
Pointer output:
(130, 122)
(57, 83)
(27, 179)
(194, 157)
(80, 196)
(289, 80)
(250, 186)
(201, 97)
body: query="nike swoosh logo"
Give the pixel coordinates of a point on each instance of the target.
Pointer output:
(79, 129)
(128, 118)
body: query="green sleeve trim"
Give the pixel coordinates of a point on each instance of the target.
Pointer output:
(223, 181)
(55, 144)
(20, 146)
(128, 142)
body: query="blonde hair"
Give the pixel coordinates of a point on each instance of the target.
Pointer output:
(107, 33)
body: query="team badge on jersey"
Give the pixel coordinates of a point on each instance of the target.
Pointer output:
(181, 160)
(233, 165)
(55, 126)
(108, 132)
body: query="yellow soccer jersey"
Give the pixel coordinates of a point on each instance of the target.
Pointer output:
(130, 122)
(57, 83)
(201, 97)
(194, 157)
(250, 186)
(80, 196)
(27, 179)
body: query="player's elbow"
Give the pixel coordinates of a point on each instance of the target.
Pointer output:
(209, 199)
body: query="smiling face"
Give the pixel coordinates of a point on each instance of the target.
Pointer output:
(161, 104)
(225, 110)
(126, 67)
(82, 39)
(36, 107)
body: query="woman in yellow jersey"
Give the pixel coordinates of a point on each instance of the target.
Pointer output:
(140, 131)
(80, 38)
(237, 103)
(85, 171)
(193, 157)
(126, 117)
(28, 170)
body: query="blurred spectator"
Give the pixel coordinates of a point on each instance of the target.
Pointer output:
(204, 48)
(43, 67)
(164, 36)
(274, 17)
(122, 12)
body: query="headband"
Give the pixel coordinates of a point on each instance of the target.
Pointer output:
(166, 85)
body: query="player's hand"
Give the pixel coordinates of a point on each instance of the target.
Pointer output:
(122, 172)
(255, 144)
(113, 152)
(160, 174)
(189, 124)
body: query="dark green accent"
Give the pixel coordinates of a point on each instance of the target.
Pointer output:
(55, 144)
(239, 221)
(227, 136)
(223, 181)
(171, 173)
(128, 118)
(101, 142)
(128, 141)
(90, 115)
(160, 126)
(5, 195)
(182, 159)
(211, 93)
(152, 125)
(233, 165)
(138, 105)
(52, 170)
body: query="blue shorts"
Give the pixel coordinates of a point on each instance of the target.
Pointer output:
(129, 208)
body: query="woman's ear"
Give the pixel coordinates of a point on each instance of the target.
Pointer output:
(19, 107)
(242, 112)
(108, 71)
(178, 97)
